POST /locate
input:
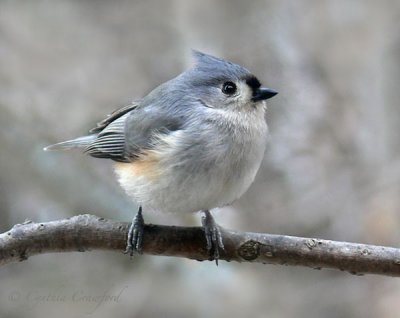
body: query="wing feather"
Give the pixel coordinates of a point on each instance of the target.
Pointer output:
(112, 117)
(128, 131)
(110, 141)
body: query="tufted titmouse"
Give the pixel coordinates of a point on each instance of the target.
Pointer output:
(192, 144)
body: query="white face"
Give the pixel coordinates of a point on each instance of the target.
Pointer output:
(244, 94)
(237, 94)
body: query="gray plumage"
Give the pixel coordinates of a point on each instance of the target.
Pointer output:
(206, 145)
(123, 134)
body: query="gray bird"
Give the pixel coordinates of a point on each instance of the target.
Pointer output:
(192, 144)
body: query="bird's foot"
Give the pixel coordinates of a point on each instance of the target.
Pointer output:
(213, 236)
(135, 235)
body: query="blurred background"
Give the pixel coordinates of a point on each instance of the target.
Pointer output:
(332, 168)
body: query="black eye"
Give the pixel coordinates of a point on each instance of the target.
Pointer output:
(229, 88)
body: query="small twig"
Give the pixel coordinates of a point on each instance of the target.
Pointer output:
(87, 232)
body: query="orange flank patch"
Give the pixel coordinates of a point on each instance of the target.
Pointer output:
(145, 166)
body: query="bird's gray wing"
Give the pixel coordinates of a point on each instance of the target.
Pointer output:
(110, 139)
(112, 117)
(127, 132)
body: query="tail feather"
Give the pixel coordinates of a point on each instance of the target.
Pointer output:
(78, 143)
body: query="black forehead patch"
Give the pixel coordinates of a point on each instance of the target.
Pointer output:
(253, 82)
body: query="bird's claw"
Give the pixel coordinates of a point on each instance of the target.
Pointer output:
(135, 235)
(213, 236)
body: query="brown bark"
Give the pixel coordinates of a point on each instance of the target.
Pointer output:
(88, 232)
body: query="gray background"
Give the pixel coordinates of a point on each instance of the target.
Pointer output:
(332, 168)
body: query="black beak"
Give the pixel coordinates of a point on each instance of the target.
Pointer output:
(263, 93)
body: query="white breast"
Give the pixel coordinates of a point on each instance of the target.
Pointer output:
(189, 178)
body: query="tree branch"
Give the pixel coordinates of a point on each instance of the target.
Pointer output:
(87, 232)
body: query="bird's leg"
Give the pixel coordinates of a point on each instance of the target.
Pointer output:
(135, 234)
(213, 235)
